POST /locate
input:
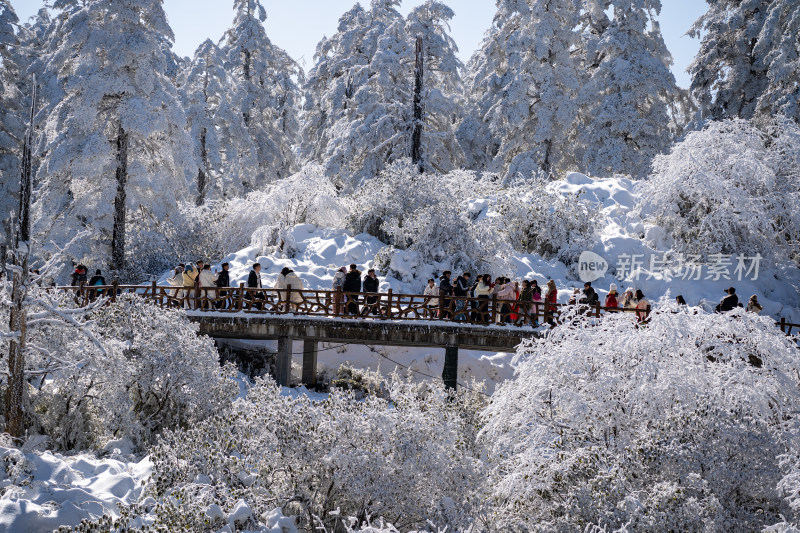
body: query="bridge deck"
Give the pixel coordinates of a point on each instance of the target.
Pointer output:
(353, 331)
(355, 318)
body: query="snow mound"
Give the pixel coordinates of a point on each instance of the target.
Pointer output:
(608, 192)
(45, 491)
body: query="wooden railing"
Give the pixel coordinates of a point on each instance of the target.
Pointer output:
(357, 305)
(341, 304)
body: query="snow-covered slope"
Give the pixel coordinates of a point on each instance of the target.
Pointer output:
(314, 254)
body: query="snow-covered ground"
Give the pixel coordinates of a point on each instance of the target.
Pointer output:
(43, 491)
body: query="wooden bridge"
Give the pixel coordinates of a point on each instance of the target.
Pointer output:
(383, 319)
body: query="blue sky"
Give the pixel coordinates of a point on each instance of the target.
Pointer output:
(297, 25)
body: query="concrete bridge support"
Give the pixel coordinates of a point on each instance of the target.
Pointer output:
(283, 361)
(313, 330)
(450, 370)
(309, 362)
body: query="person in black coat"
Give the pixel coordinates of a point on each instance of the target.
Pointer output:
(352, 283)
(223, 280)
(461, 290)
(254, 281)
(590, 296)
(729, 302)
(445, 289)
(371, 284)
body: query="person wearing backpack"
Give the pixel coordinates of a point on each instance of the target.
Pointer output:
(461, 291)
(223, 280)
(96, 281)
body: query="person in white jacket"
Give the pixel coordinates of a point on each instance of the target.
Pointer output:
(176, 280)
(483, 291)
(206, 280)
(433, 304)
(296, 298)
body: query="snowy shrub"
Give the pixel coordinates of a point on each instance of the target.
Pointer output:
(408, 460)
(731, 188)
(676, 426)
(427, 213)
(198, 235)
(260, 219)
(170, 376)
(63, 359)
(125, 370)
(537, 220)
(362, 382)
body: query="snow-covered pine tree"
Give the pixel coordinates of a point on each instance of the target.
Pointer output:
(116, 157)
(11, 126)
(357, 95)
(442, 86)
(223, 147)
(38, 38)
(524, 82)
(358, 113)
(625, 102)
(727, 76)
(778, 50)
(269, 94)
(341, 64)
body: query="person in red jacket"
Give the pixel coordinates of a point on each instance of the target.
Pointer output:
(611, 299)
(550, 298)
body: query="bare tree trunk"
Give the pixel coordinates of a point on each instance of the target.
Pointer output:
(202, 173)
(15, 392)
(246, 112)
(118, 237)
(416, 136)
(548, 151)
(202, 177)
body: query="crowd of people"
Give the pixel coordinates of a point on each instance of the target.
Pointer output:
(459, 299)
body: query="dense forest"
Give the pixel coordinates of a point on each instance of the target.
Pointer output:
(556, 86)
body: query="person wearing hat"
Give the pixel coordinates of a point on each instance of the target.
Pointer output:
(729, 302)
(753, 306)
(589, 295)
(337, 286)
(611, 299)
(628, 301)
